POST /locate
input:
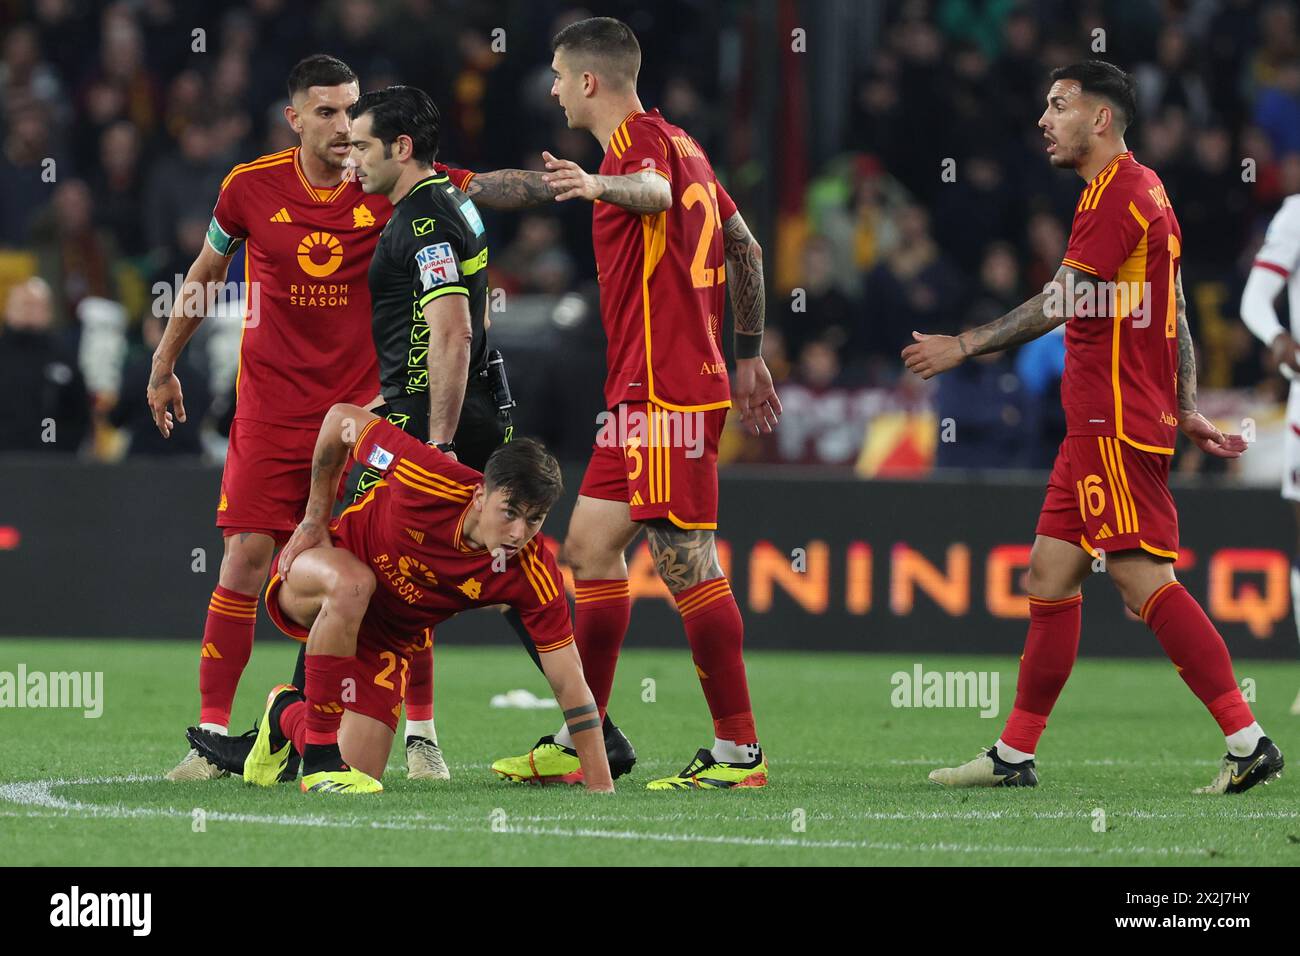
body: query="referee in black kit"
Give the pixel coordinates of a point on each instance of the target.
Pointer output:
(438, 379)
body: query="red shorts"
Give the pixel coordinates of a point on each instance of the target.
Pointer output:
(664, 464)
(267, 479)
(383, 660)
(1106, 495)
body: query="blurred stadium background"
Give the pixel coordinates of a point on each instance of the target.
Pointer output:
(829, 122)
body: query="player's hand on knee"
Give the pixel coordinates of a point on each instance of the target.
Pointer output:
(309, 534)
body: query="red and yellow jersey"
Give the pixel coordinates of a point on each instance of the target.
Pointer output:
(663, 277)
(1121, 358)
(409, 530)
(306, 342)
(459, 177)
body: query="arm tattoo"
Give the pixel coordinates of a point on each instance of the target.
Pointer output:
(1025, 322)
(326, 461)
(326, 470)
(642, 193)
(683, 558)
(744, 257)
(1186, 378)
(509, 189)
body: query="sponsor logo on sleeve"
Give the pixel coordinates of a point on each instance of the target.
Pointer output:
(437, 265)
(470, 212)
(379, 458)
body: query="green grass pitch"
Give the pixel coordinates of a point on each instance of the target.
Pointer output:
(848, 784)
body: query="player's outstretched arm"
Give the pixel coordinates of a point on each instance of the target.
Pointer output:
(930, 355)
(1192, 423)
(752, 387)
(509, 189)
(644, 192)
(339, 432)
(188, 310)
(563, 668)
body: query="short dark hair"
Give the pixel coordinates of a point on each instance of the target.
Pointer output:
(319, 69)
(527, 472)
(606, 39)
(1099, 78)
(402, 111)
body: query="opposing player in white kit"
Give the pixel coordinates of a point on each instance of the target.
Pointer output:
(1276, 265)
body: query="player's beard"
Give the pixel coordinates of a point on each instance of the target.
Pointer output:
(1078, 153)
(326, 155)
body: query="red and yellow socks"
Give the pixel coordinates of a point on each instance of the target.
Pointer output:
(601, 612)
(717, 635)
(1050, 650)
(1198, 652)
(227, 645)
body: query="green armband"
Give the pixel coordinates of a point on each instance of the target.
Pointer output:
(223, 242)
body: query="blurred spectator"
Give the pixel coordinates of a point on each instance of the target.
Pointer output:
(118, 187)
(1173, 80)
(536, 260)
(980, 21)
(1047, 241)
(1278, 43)
(1213, 206)
(827, 313)
(999, 281)
(24, 74)
(1277, 111)
(183, 183)
(819, 366)
(76, 257)
(981, 406)
(1040, 364)
(131, 412)
(28, 169)
(122, 65)
(916, 288)
(979, 194)
(41, 389)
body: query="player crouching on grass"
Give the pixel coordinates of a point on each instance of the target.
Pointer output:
(432, 538)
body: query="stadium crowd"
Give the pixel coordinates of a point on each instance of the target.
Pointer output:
(120, 120)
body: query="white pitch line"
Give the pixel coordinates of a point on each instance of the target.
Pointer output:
(1103, 762)
(38, 794)
(632, 835)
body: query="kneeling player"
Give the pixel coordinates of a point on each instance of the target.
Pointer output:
(431, 538)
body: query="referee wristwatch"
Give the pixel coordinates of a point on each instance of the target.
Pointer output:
(444, 446)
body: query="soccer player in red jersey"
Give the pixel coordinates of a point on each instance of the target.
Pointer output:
(667, 238)
(431, 538)
(309, 232)
(1129, 388)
